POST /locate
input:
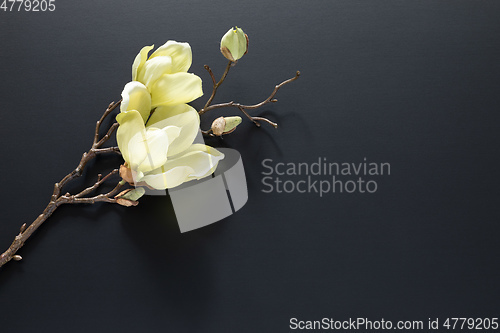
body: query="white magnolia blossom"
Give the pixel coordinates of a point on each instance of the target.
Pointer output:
(162, 77)
(159, 148)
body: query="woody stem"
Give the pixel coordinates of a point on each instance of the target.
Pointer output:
(57, 199)
(215, 85)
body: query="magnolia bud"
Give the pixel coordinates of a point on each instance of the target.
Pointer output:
(218, 126)
(231, 123)
(225, 125)
(234, 44)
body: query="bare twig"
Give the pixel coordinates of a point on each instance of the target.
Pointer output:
(244, 108)
(207, 132)
(216, 85)
(98, 183)
(209, 70)
(110, 109)
(57, 199)
(99, 151)
(108, 135)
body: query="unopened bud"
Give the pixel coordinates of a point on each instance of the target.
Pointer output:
(234, 44)
(218, 126)
(231, 123)
(225, 125)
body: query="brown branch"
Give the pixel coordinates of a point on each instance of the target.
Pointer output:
(99, 151)
(244, 108)
(106, 197)
(108, 135)
(209, 70)
(57, 199)
(207, 132)
(265, 120)
(98, 183)
(93, 152)
(110, 109)
(216, 85)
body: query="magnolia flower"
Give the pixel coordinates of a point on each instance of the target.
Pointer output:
(161, 79)
(162, 153)
(157, 128)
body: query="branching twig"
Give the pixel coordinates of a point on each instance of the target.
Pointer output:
(244, 108)
(216, 85)
(107, 136)
(57, 199)
(106, 113)
(98, 183)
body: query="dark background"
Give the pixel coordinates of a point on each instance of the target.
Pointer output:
(411, 83)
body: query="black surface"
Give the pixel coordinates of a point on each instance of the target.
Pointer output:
(411, 83)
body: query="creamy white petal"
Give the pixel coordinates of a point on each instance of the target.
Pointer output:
(181, 115)
(203, 159)
(153, 69)
(196, 162)
(139, 61)
(143, 150)
(164, 179)
(131, 125)
(152, 148)
(180, 52)
(135, 96)
(178, 88)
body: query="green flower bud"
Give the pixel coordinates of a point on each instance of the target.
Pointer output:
(225, 125)
(234, 44)
(231, 123)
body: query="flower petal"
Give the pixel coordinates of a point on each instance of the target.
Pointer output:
(153, 69)
(179, 52)
(143, 150)
(139, 61)
(164, 179)
(203, 159)
(155, 144)
(178, 88)
(136, 97)
(197, 162)
(183, 116)
(131, 125)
